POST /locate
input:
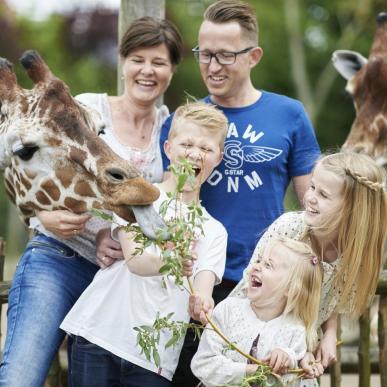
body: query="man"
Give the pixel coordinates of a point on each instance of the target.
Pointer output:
(270, 141)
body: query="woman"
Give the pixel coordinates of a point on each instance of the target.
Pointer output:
(53, 271)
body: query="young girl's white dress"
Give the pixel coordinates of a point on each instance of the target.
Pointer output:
(217, 365)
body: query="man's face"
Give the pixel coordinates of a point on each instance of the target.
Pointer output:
(225, 83)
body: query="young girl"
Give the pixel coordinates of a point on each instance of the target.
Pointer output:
(275, 323)
(345, 222)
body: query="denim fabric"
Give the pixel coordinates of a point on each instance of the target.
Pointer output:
(48, 280)
(93, 366)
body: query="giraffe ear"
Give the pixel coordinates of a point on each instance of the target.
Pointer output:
(8, 81)
(36, 68)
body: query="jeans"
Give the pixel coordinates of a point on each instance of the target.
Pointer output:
(48, 280)
(93, 366)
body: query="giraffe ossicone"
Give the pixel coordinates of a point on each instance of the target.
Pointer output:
(367, 83)
(52, 157)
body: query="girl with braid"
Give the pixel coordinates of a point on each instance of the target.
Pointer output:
(345, 222)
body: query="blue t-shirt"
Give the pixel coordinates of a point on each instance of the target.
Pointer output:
(267, 144)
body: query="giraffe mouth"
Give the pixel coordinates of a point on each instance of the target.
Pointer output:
(149, 221)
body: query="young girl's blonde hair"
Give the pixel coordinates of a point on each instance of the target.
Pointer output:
(303, 285)
(304, 288)
(361, 226)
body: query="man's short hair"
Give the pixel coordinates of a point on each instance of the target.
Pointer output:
(224, 11)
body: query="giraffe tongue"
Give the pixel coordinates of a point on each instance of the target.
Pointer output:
(149, 220)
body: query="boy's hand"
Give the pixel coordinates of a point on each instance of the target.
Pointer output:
(311, 368)
(278, 360)
(199, 306)
(188, 265)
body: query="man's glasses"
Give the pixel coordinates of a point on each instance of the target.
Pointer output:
(222, 57)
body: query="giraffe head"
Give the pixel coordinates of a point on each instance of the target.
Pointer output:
(367, 83)
(52, 156)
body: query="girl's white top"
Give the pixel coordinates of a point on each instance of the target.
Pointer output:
(117, 301)
(217, 365)
(148, 161)
(291, 225)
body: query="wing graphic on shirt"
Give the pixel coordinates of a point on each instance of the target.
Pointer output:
(259, 154)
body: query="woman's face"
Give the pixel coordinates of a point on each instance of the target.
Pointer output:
(323, 199)
(147, 73)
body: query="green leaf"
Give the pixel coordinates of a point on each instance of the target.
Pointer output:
(156, 357)
(164, 269)
(101, 214)
(181, 180)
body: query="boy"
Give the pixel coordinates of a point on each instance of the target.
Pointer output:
(130, 293)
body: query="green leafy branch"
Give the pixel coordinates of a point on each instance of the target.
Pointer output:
(148, 337)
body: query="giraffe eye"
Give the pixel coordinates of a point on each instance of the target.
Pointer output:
(26, 152)
(101, 130)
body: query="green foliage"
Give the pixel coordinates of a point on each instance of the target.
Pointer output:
(261, 378)
(148, 337)
(185, 227)
(82, 74)
(322, 23)
(101, 214)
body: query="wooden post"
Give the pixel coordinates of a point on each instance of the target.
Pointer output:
(382, 332)
(382, 328)
(364, 350)
(335, 369)
(2, 259)
(129, 11)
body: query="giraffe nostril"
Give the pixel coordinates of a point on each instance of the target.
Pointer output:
(116, 175)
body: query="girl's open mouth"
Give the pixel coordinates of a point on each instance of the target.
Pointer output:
(255, 283)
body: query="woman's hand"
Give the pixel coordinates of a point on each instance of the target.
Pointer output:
(108, 250)
(64, 224)
(326, 352)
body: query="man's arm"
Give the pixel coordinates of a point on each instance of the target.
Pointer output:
(300, 185)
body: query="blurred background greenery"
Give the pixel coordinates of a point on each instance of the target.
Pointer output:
(298, 38)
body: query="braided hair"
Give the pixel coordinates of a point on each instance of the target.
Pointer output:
(361, 226)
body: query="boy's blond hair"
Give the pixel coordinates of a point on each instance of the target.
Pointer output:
(204, 115)
(361, 225)
(303, 285)
(225, 11)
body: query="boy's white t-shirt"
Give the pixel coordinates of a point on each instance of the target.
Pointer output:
(117, 301)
